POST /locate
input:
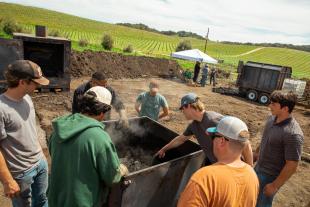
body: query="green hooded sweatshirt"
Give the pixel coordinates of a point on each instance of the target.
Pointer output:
(84, 162)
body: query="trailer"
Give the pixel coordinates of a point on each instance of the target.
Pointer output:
(257, 81)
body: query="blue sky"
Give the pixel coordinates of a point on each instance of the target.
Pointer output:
(284, 21)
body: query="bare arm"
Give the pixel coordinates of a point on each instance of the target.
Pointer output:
(164, 113)
(177, 141)
(137, 107)
(256, 154)
(248, 154)
(11, 187)
(288, 170)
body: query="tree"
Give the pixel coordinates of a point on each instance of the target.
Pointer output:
(10, 26)
(107, 42)
(83, 42)
(184, 45)
(128, 49)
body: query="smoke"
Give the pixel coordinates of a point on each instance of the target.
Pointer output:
(131, 144)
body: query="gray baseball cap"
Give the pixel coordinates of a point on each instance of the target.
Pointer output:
(188, 99)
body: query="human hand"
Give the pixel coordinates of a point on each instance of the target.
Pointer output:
(161, 153)
(270, 189)
(11, 189)
(123, 169)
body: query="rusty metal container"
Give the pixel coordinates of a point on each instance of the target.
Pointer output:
(161, 183)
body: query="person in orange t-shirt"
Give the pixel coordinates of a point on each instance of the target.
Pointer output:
(230, 181)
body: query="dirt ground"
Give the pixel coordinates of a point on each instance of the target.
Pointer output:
(296, 192)
(118, 66)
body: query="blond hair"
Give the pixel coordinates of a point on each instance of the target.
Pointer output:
(198, 105)
(237, 145)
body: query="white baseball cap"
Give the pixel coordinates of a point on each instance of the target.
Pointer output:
(230, 127)
(103, 95)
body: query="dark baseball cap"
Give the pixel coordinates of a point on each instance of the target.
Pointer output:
(24, 69)
(188, 99)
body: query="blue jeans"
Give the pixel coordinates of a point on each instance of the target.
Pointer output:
(203, 80)
(264, 179)
(33, 185)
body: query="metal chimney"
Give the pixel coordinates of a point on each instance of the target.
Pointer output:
(41, 31)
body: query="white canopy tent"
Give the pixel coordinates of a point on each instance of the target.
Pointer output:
(194, 55)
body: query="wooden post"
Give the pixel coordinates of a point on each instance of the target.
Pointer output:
(206, 40)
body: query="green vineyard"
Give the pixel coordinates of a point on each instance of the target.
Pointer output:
(147, 43)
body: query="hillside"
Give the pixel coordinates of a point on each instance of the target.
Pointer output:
(148, 43)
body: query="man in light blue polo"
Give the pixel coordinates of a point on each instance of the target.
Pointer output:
(149, 103)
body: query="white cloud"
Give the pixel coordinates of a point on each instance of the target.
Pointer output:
(239, 20)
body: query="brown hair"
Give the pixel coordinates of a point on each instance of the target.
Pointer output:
(284, 98)
(11, 80)
(98, 76)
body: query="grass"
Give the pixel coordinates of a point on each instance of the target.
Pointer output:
(147, 43)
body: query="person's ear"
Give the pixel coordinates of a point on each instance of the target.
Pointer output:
(285, 108)
(22, 82)
(223, 142)
(101, 116)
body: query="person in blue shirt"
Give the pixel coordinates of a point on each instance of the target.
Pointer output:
(149, 103)
(204, 76)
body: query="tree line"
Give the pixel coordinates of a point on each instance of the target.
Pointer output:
(305, 48)
(194, 35)
(169, 32)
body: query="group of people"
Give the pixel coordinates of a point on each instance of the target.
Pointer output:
(148, 103)
(84, 162)
(228, 178)
(187, 75)
(204, 75)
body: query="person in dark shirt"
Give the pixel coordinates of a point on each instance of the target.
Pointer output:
(193, 109)
(280, 149)
(99, 79)
(213, 75)
(196, 71)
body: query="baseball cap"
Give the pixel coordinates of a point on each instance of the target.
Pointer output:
(230, 127)
(103, 95)
(27, 69)
(188, 99)
(154, 86)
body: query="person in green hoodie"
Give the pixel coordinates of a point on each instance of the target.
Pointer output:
(84, 160)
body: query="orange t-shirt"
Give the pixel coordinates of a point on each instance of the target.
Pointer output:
(221, 185)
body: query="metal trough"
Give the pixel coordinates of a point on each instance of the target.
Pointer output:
(161, 183)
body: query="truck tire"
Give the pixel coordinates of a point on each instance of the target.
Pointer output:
(264, 98)
(252, 95)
